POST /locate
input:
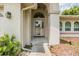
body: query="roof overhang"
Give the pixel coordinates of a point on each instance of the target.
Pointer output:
(69, 17)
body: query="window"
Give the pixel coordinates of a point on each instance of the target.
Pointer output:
(67, 26)
(76, 26)
(60, 26)
(38, 14)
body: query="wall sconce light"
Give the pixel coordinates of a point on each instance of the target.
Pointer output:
(8, 15)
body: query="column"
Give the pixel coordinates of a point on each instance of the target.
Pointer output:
(72, 26)
(63, 23)
(54, 34)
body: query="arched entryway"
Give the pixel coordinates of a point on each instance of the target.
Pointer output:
(35, 27)
(39, 21)
(39, 27)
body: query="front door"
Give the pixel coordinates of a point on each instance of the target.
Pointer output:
(38, 27)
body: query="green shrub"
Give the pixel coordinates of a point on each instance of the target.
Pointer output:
(9, 46)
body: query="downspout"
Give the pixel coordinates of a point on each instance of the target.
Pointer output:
(30, 7)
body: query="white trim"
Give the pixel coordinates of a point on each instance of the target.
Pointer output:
(30, 7)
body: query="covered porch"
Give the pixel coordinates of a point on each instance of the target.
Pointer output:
(46, 29)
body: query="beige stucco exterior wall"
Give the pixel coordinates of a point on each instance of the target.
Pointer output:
(11, 25)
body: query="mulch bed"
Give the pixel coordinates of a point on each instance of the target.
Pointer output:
(24, 53)
(64, 50)
(71, 39)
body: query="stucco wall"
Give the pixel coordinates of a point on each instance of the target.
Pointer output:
(54, 29)
(11, 25)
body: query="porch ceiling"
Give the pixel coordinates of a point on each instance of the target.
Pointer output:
(25, 5)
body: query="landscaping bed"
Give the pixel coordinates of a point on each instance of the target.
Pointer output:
(9, 46)
(24, 53)
(64, 50)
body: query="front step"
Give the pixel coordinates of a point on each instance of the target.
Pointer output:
(37, 54)
(38, 49)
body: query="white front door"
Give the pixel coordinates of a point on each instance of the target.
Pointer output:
(38, 27)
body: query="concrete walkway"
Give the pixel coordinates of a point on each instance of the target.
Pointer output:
(38, 54)
(38, 49)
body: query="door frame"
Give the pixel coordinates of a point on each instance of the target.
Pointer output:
(33, 27)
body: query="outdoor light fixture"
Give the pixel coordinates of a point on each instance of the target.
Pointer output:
(8, 15)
